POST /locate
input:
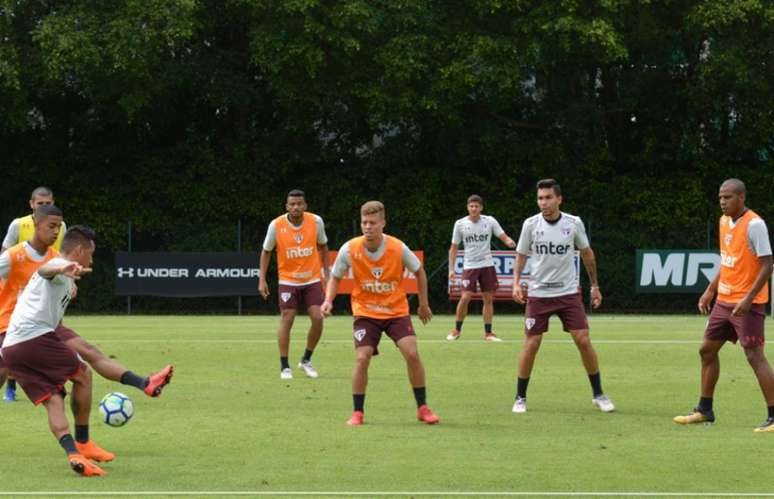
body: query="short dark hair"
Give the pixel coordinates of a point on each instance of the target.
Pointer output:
(42, 191)
(43, 211)
(549, 183)
(77, 235)
(297, 193)
(475, 198)
(736, 184)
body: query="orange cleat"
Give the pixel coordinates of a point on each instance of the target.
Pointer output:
(84, 467)
(357, 418)
(425, 415)
(92, 451)
(156, 382)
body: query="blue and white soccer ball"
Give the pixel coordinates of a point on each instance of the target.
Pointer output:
(116, 409)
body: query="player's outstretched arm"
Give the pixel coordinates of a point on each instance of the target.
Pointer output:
(263, 287)
(507, 240)
(330, 293)
(518, 293)
(424, 312)
(69, 269)
(590, 262)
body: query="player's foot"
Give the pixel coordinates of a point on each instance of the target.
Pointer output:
(157, 382)
(309, 370)
(604, 403)
(84, 467)
(286, 373)
(92, 451)
(767, 426)
(453, 335)
(425, 415)
(492, 337)
(10, 394)
(520, 405)
(696, 416)
(356, 419)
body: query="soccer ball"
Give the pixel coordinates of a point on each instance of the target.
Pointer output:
(116, 409)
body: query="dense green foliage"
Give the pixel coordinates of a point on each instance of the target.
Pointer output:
(172, 114)
(227, 422)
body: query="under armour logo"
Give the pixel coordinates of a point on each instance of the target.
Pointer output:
(285, 297)
(529, 323)
(359, 334)
(125, 272)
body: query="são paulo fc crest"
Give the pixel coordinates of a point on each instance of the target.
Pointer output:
(727, 239)
(285, 297)
(377, 272)
(359, 334)
(529, 323)
(566, 231)
(298, 237)
(465, 283)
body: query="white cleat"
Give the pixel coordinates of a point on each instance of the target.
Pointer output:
(309, 370)
(492, 337)
(286, 373)
(520, 406)
(604, 403)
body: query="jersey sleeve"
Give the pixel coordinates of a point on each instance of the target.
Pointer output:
(457, 233)
(12, 236)
(270, 241)
(343, 262)
(525, 239)
(758, 237)
(581, 239)
(497, 230)
(410, 260)
(5, 265)
(322, 237)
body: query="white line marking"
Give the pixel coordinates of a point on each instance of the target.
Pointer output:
(391, 494)
(469, 342)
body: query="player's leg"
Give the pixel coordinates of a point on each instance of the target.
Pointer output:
(112, 369)
(591, 364)
(487, 279)
(469, 282)
(80, 404)
(402, 333)
(10, 389)
(536, 316)
(288, 304)
(363, 356)
(749, 329)
(313, 297)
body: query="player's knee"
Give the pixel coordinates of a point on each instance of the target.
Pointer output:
(707, 353)
(754, 356)
(363, 359)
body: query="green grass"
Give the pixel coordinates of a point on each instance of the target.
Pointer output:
(228, 423)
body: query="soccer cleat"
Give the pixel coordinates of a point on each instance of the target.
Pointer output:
(453, 335)
(286, 373)
(767, 426)
(309, 370)
(10, 394)
(425, 415)
(520, 405)
(356, 419)
(84, 467)
(92, 451)
(492, 337)
(695, 417)
(604, 403)
(156, 382)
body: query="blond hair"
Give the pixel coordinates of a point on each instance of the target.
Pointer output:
(372, 208)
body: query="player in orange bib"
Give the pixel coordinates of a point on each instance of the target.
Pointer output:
(302, 256)
(739, 312)
(379, 304)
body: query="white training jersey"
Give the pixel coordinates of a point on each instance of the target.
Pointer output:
(551, 247)
(40, 307)
(477, 240)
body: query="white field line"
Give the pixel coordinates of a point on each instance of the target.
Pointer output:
(421, 341)
(392, 494)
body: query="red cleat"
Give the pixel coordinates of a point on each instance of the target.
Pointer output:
(357, 418)
(90, 450)
(156, 382)
(84, 467)
(425, 415)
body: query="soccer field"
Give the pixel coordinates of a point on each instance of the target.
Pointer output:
(227, 425)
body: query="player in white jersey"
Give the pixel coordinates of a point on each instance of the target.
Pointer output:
(550, 239)
(475, 232)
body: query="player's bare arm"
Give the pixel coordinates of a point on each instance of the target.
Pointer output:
(424, 312)
(705, 300)
(590, 262)
(507, 240)
(330, 293)
(764, 274)
(263, 286)
(518, 267)
(452, 259)
(70, 269)
(326, 268)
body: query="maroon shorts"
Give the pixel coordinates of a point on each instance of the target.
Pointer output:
(569, 309)
(42, 366)
(748, 329)
(367, 331)
(2, 362)
(486, 277)
(65, 333)
(296, 297)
